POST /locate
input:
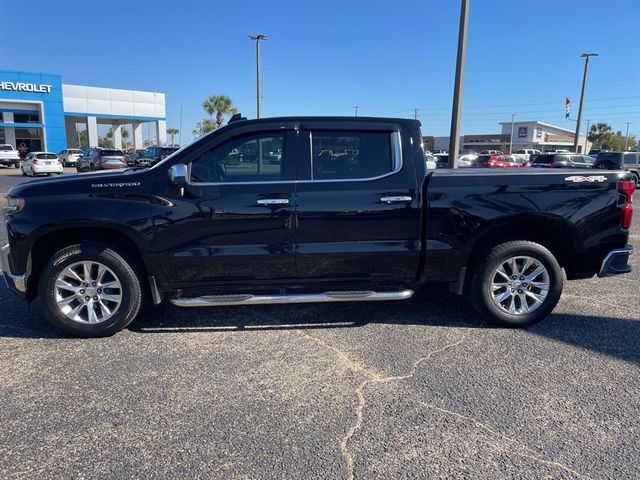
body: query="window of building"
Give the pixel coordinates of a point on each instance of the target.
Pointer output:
(253, 158)
(26, 117)
(350, 154)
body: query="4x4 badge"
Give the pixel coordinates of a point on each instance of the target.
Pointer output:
(591, 178)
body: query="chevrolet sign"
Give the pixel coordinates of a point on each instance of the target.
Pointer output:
(25, 87)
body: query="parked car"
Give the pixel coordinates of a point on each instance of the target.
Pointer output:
(629, 161)
(528, 154)
(442, 160)
(154, 154)
(468, 160)
(38, 163)
(132, 155)
(595, 151)
(97, 158)
(9, 156)
(69, 156)
(563, 160)
(201, 229)
(491, 152)
(501, 161)
(430, 161)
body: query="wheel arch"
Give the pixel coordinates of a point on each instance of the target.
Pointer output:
(47, 244)
(555, 234)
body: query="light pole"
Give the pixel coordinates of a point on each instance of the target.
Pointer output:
(626, 138)
(584, 84)
(454, 137)
(257, 39)
(355, 109)
(511, 137)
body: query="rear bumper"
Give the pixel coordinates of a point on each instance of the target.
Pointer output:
(9, 161)
(16, 283)
(616, 262)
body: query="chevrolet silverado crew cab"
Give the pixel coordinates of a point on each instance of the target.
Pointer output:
(309, 209)
(9, 156)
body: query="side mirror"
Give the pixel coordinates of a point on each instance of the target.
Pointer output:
(178, 174)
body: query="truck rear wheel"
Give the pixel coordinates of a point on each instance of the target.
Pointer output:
(518, 284)
(90, 290)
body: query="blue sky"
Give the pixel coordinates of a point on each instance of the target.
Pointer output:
(324, 57)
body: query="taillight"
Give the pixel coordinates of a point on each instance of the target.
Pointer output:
(35, 161)
(553, 165)
(627, 187)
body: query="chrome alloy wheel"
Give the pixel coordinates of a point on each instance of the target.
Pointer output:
(519, 285)
(88, 292)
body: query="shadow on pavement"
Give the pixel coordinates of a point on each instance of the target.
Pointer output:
(431, 307)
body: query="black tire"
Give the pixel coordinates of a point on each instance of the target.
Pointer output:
(481, 279)
(24, 174)
(603, 166)
(119, 262)
(15, 165)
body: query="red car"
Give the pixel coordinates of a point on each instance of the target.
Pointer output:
(507, 161)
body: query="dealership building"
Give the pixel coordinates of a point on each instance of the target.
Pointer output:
(529, 134)
(40, 113)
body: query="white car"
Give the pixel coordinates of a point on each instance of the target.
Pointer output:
(467, 161)
(37, 163)
(69, 156)
(528, 154)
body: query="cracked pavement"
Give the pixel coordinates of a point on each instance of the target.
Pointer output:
(414, 389)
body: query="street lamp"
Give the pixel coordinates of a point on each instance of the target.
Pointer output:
(257, 39)
(584, 84)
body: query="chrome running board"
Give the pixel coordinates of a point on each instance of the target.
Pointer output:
(338, 296)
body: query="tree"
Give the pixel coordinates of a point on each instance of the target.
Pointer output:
(172, 131)
(203, 127)
(218, 105)
(601, 135)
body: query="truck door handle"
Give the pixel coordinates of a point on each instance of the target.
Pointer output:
(273, 201)
(396, 199)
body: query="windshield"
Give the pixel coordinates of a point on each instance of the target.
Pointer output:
(6, 147)
(47, 156)
(75, 150)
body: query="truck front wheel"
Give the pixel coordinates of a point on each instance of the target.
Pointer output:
(518, 284)
(90, 290)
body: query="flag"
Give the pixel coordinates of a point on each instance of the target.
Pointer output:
(567, 107)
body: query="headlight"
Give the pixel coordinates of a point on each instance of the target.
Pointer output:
(13, 204)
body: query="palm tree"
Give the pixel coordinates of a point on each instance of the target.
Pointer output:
(172, 131)
(219, 105)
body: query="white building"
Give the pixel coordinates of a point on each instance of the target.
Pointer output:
(542, 136)
(39, 112)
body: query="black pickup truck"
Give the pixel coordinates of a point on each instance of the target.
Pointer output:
(309, 209)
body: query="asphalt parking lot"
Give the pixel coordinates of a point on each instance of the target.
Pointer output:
(415, 389)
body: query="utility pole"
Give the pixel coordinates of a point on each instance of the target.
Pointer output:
(257, 39)
(586, 135)
(454, 137)
(511, 137)
(584, 84)
(355, 108)
(626, 137)
(415, 113)
(180, 131)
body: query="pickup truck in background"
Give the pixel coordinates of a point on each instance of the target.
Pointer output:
(9, 156)
(344, 212)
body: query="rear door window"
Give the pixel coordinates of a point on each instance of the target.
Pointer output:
(630, 158)
(543, 159)
(343, 155)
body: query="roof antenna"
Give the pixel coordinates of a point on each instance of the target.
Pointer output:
(236, 118)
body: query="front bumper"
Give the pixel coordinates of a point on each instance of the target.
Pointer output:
(16, 283)
(616, 262)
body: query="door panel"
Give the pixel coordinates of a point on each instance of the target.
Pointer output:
(353, 227)
(229, 225)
